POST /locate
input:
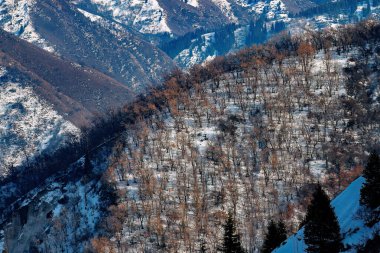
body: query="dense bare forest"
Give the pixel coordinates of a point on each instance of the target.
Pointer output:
(251, 133)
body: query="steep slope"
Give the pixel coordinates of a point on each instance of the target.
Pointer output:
(353, 227)
(120, 37)
(124, 56)
(180, 28)
(165, 16)
(29, 125)
(77, 92)
(295, 6)
(182, 16)
(44, 97)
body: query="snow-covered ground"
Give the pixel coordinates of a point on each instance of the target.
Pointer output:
(63, 212)
(226, 9)
(198, 52)
(15, 18)
(145, 16)
(353, 229)
(28, 125)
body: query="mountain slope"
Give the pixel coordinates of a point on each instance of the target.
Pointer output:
(46, 100)
(61, 28)
(76, 92)
(29, 124)
(119, 38)
(353, 229)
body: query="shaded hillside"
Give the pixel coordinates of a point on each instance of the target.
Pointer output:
(77, 93)
(295, 6)
(133, 62)
(170, 16)
(119, 38)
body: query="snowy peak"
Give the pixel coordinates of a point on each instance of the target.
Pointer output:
(145, 16)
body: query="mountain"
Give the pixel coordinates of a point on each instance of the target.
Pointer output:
(250, 133)
(181, 17)
(204, 29)
(59, 27)
(127, 35)
(352, 222)
(45, 97)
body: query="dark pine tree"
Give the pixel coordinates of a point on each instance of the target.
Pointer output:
(322, 231)
(87, 166)
(282, 234)
(231, 239)
(370, 193)
(275, 235)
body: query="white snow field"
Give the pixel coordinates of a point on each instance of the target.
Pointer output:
(28, 125)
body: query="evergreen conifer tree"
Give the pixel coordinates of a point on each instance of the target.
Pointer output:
(370, 193)
(87, 166)
(322, 230)
(231, 239)
(282, 235)
(274, 237)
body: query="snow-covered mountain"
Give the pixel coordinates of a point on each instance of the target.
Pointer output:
(59, 27)
(137, 24)
(45, 100)
(29, 125)
(242, 133)
(353, 227)
(185, 30)
(178, 17)
(122, 38)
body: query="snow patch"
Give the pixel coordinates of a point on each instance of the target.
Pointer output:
(146, 16)
(193, 3)
(226, 9)
(15, 18)
(28, 125)
(90, 16)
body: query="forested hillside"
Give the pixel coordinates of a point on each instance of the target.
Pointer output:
(250, 134)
